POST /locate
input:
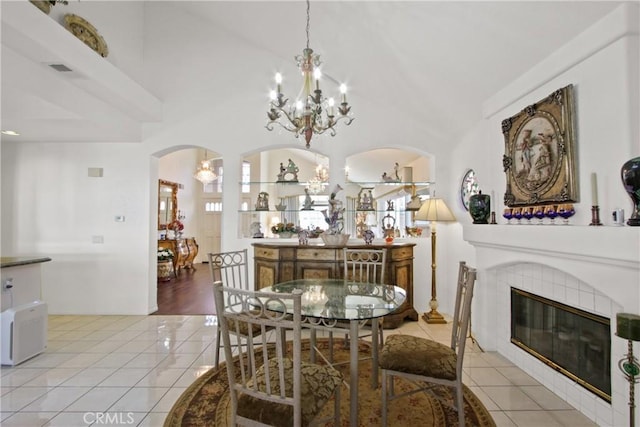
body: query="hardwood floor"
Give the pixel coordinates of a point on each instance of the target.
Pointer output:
(190, 293)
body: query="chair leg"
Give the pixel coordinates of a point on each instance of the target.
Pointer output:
(460, 395)
(336, 407)
(312, 342)
(218, 344)
(330, 346)
(375, 347)
(384, 396)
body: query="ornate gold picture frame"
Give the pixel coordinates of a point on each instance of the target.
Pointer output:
(539, 152)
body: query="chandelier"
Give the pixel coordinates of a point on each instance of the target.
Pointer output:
(204, 173)
(311, 113)
(319, 182)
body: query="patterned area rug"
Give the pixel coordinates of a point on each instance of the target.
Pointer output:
(206, 401)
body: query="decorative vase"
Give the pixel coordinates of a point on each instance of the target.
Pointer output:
(480, 208)
(335, 239)
(165, 270)
(630, 174)
(285, 234)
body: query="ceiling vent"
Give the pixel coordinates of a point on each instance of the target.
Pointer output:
(60, 67)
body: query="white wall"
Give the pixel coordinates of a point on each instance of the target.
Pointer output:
(53, 207)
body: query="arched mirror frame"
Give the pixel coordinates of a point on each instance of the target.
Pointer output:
(174, 202)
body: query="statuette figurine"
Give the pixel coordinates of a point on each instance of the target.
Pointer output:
(308, 203)
(288, 173)
(395, 177)
(262, 204)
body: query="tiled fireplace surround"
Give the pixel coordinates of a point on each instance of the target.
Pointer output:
(596, 269)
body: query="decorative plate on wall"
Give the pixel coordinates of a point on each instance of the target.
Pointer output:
(468, 187)
(86, 32)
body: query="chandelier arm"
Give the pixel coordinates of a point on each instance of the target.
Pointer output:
(279, 109)
(293, 129)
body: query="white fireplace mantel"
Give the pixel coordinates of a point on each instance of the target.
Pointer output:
(613, 246)
(606, 257)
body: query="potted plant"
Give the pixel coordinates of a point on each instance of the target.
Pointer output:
(165, 264)
(177, 226)
(285, 230)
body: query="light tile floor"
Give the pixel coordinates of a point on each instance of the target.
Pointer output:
(129, 370)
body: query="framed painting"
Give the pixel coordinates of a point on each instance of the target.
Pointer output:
(539, 152)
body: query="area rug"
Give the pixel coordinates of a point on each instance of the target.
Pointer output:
(206, 402)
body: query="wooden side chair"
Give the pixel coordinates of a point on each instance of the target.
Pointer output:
(230, 268)
(272, 387)
(425, 361)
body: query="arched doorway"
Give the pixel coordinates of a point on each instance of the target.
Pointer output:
(199, 209)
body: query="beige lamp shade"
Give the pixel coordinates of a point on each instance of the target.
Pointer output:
(435, 210)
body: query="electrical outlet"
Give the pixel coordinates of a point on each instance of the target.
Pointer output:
(7, 284)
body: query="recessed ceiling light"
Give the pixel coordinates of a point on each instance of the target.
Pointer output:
(10, 132)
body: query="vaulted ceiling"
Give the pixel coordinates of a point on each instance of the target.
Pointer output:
(430, 64)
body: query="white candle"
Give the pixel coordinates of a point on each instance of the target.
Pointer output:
(594, 189)
(493, 201)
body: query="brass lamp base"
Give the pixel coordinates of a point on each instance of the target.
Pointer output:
(434, 317)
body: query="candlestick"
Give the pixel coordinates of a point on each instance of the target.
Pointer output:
(594, 189)
(595, 215)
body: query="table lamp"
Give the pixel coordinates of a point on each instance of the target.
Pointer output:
(434, 210)
(628, 327)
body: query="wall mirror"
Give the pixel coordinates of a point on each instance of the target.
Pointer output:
(167, 203)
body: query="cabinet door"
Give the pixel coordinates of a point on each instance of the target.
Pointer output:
(315, 270)
(401, 274)
(266, 273)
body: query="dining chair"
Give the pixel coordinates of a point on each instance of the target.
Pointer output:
(359, 266)
(230, 268)
(426, 362)
(272, 385)
(366, 266)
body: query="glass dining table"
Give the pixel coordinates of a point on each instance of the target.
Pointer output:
(333, 300)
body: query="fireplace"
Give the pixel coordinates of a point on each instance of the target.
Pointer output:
(574, 342)
(594, 269)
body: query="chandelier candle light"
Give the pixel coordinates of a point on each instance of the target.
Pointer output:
(312, 113)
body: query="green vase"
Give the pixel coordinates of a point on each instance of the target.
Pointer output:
(630, 175)
(480, 208)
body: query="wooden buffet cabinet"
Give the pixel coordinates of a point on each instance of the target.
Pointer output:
(276, 262)
(185, 251)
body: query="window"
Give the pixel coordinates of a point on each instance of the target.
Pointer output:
(220, 178)
(246, 177)
(213, 207)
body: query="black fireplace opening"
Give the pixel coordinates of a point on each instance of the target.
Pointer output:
(574, 342)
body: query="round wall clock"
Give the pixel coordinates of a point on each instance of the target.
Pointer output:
(468, 187)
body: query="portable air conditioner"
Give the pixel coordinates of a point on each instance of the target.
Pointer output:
(24, 332)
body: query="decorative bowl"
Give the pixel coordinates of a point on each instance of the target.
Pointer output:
(335, 239)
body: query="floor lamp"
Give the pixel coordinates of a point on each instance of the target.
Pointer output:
(628, 327)
(434, 210)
